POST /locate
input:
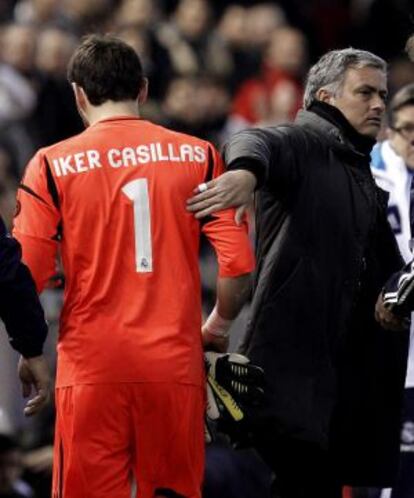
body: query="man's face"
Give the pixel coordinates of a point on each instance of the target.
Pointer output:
(401, 134)
(362, 99)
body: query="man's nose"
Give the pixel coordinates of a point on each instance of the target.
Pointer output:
(378, 103)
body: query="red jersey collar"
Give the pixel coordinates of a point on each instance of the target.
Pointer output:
(117, 118)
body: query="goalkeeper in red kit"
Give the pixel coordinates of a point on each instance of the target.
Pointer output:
(130, 388)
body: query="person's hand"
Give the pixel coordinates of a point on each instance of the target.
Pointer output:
(34, 375)
(387, 319)
(213, 342)
(39, 459)
(231, 189)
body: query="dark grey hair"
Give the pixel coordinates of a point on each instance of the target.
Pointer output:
(330, 70)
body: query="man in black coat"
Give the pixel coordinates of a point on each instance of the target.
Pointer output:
(23, 317)
(334, 356)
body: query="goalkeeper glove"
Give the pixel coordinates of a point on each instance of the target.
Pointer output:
(233, 385)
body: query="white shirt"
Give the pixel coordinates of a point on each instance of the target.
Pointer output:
(392, 175)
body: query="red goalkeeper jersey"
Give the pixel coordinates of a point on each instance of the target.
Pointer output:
(114, 199)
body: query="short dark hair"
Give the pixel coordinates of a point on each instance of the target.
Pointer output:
(107, 69)
(403, 98)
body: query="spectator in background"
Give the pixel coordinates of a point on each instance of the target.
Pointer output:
(11, 468)
(262, 20)
(197, 105)
(401, 73)
(37, 12)
(6, 10)
(246, 32)
(54, 118)
(393, 169)
(137, 23)
(54, 48)
(193, 49)
(180, 107)
(140, 13)
(282, 104)
(18, 42)
(81, 17)
(8, 185)
(232, 29)
(213, 100)
(18, 95)
(155, 59)
(41, 105)
(284, 60)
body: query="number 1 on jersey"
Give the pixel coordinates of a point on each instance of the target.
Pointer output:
(137, 192)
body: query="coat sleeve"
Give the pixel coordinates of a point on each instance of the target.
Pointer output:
(20, 308)
(273, 154)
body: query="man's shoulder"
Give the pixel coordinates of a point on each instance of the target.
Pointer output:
(177, 136)
(67, 143)
(270, 132)
(301, 139)
(291, 130)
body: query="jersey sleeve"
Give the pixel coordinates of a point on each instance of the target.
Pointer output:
(37, 221)
(230, 241)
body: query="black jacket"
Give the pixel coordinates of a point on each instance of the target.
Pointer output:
(324, 249)
(20, 308)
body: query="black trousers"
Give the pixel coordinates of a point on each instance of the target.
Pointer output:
(301, 469)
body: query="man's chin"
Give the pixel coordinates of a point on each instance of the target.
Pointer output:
(370, 130)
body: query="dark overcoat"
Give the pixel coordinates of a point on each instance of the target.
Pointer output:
(324, 250)
(20, 308)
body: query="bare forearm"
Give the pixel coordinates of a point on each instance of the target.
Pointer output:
(232, 293)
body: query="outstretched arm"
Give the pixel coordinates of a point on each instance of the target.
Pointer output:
(231, 189)
(254, 159)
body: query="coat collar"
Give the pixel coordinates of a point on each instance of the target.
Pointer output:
(341, 135)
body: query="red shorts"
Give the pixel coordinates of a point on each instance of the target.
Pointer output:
(108, 434)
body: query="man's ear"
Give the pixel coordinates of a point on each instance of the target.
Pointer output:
(81, 102)
(143, 92)
(324, 96)
(80, 96)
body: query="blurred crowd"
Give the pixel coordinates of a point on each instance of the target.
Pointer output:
(214, 67)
